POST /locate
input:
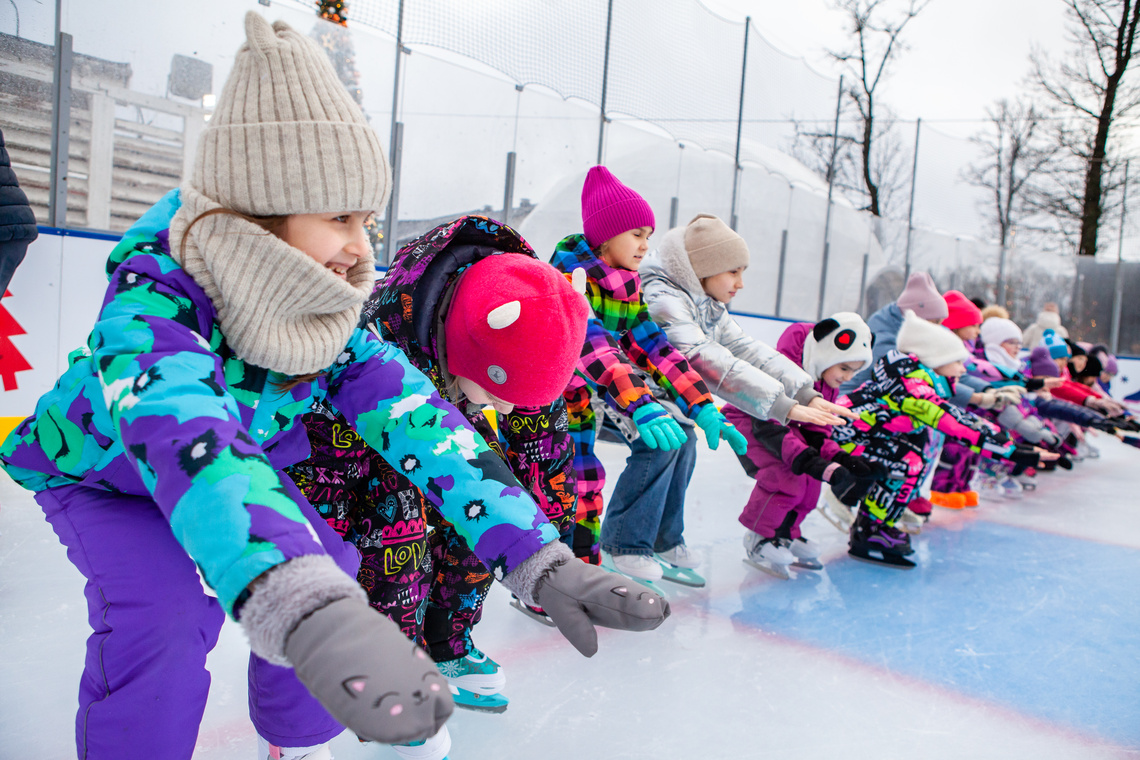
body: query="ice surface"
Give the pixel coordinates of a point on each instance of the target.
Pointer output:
(1014, 638)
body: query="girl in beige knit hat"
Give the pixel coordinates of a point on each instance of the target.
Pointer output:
(232, 310)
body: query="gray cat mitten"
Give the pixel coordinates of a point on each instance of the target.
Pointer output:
(578, 596)
(309, 615)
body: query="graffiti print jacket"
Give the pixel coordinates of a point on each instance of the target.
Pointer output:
(903, 397)
(407, 309)
(158, 405)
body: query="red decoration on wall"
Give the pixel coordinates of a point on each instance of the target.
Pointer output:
(11, 360)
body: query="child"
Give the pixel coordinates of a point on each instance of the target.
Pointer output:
(474, 310)
(782, 458)
(232, 306)
(646, 511)
(908, 392)
(687, 284)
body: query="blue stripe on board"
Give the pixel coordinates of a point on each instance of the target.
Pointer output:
(1044, 624)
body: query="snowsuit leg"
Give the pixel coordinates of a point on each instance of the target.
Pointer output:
(956, 468)
(280, 707)
(456, 597)
(144, 683)
(886, 500)
(591, 477)
(780, 500)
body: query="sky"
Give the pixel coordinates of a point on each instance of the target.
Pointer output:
(963, 54)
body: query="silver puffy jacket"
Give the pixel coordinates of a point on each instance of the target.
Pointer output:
(740, 369)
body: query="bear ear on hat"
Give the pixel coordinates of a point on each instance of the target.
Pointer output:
(823, 328)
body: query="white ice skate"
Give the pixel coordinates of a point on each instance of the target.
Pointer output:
(435, 748)
(267, 751)
(909, 522)
(768, 554)
(836, 512)
(806, 553)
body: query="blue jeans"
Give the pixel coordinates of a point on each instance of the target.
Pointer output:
(646, 514)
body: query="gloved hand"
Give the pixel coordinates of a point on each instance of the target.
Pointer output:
(1128, 424)
(367, 674)
(848, 488)
(657, 427)
(1008, 394)
(715, 425)
(578, 596)
(860, 467)
(1049, 439)
(1023, 457)
(985, 399)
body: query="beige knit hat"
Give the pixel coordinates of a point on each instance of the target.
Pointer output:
(713, 246)
(286, 137)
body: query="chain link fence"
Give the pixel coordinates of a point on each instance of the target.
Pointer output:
(502, 107)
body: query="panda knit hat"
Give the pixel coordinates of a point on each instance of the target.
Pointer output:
(842, 337)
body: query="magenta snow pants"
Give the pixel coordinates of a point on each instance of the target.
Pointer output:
(955, 468)
(144, 683)
(780, 500)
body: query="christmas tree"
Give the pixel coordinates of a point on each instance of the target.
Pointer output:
(11, 360)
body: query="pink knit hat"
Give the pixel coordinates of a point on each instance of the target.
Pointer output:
(515, 327)
(962, 311)
(609, 208)
(921, 296)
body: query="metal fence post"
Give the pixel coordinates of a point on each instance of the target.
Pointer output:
(391, 216)
(1118, 283)
(910, 211)
(509, 188)
(739, 126)
(605, 82)
(827, 216)
(60, 130)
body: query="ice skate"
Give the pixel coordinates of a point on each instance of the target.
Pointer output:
(478, 702)
(474, 672)
(267, 751)
(806, 553)
(435, 748)
(1008, 487)
(878, 543)
(679, 566)
(836, 512)
(768, 554)
(909, 522)
(535, 613)
(609, 562)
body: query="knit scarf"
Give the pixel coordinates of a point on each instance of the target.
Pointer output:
(277, 308)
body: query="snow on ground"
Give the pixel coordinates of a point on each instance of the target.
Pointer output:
(1014, 638)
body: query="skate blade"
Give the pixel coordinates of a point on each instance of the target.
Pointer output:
(887, 560)
(682, 575)
(518, 605)
(808, 564)
(780, 571)
(469, 700)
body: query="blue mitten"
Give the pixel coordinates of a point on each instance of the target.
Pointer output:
(716, 425)
(657, 427)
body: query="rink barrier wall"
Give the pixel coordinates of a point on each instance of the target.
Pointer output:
(57, 292)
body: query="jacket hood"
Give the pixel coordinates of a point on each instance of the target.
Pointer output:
(152, 226)
(791, 345)
(671, 261)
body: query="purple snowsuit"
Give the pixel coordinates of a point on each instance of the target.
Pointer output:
(781, 499)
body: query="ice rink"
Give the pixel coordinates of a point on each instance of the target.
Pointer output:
(1018, 636)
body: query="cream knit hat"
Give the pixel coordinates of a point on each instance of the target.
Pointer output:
(934, 345)
(287, 138)
(713, 246)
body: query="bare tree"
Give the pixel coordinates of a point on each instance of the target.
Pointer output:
(1091, 97)
(874, 45)
(1016, 150)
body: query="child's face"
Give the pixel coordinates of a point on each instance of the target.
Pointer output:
(336, 240)
(837, 374)
(953, 370)
(477, 394)
(1011, 347)
(1078, 363)
(724, 286)
(625, 251)
(969, 332)
(1061, 363)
